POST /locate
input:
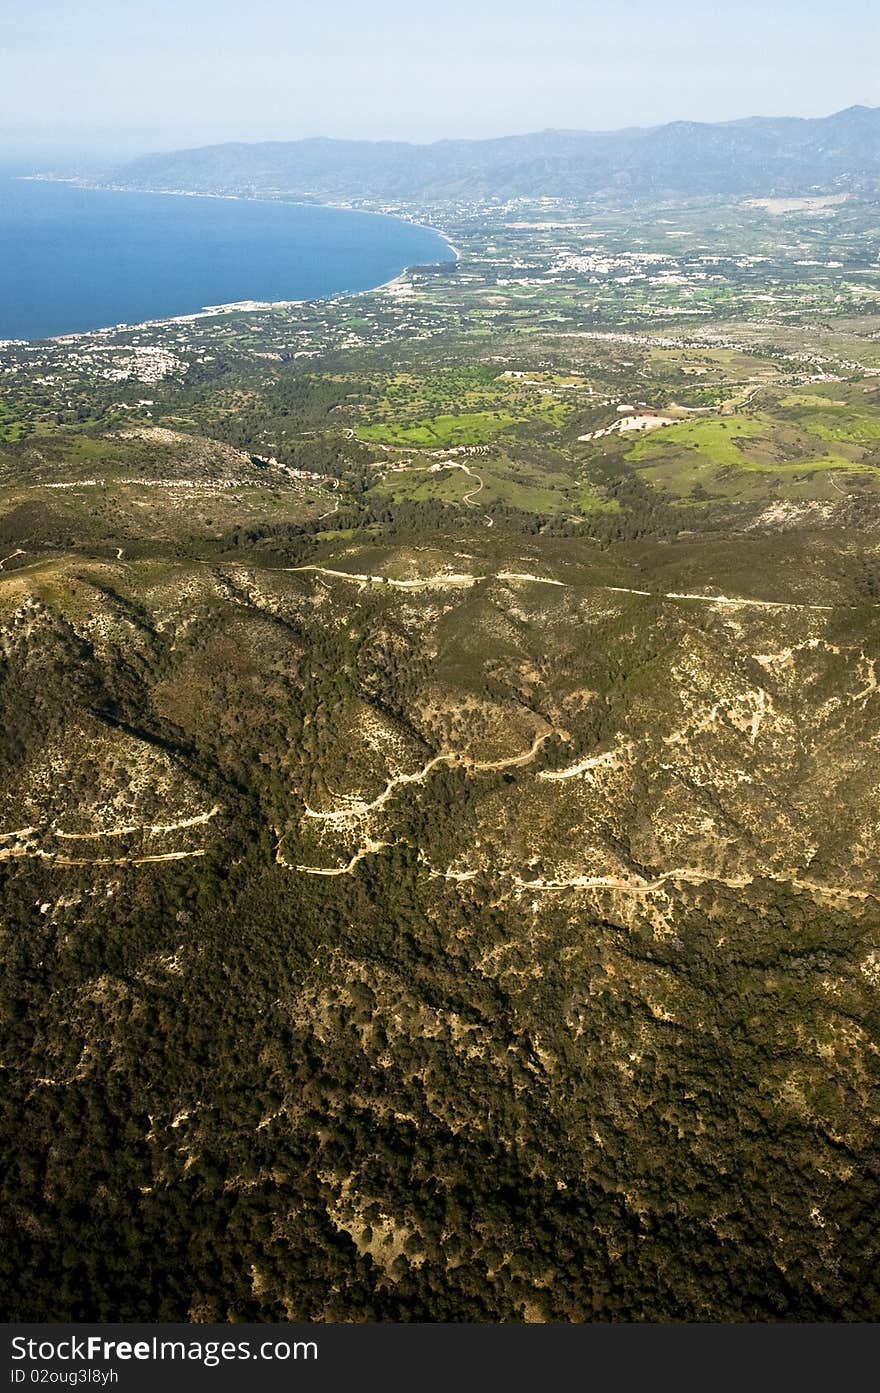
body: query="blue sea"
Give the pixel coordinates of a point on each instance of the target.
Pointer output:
(74, 259)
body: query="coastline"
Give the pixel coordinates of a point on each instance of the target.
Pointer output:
(232, 306)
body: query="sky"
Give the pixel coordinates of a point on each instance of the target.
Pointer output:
(112, 78)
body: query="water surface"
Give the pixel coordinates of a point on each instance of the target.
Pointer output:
(74, 259)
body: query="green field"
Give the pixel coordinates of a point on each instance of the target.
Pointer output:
(471, 405)
(471, 428)
(468, 428)
(791, 448)
(507, 479)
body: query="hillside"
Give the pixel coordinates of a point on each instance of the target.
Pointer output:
(439, 812)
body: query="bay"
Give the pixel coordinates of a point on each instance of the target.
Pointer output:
(74, 259)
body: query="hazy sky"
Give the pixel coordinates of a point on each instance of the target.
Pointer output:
(120, 76)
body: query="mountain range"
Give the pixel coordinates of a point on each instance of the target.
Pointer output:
(758, 155)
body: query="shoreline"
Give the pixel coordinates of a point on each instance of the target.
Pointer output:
(231, 306)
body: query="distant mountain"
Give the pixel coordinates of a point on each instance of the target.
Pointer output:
(760, 155)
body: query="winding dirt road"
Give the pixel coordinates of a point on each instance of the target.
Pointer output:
(449, 580)
(637, 885)
(128, 830)
(357, 807)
